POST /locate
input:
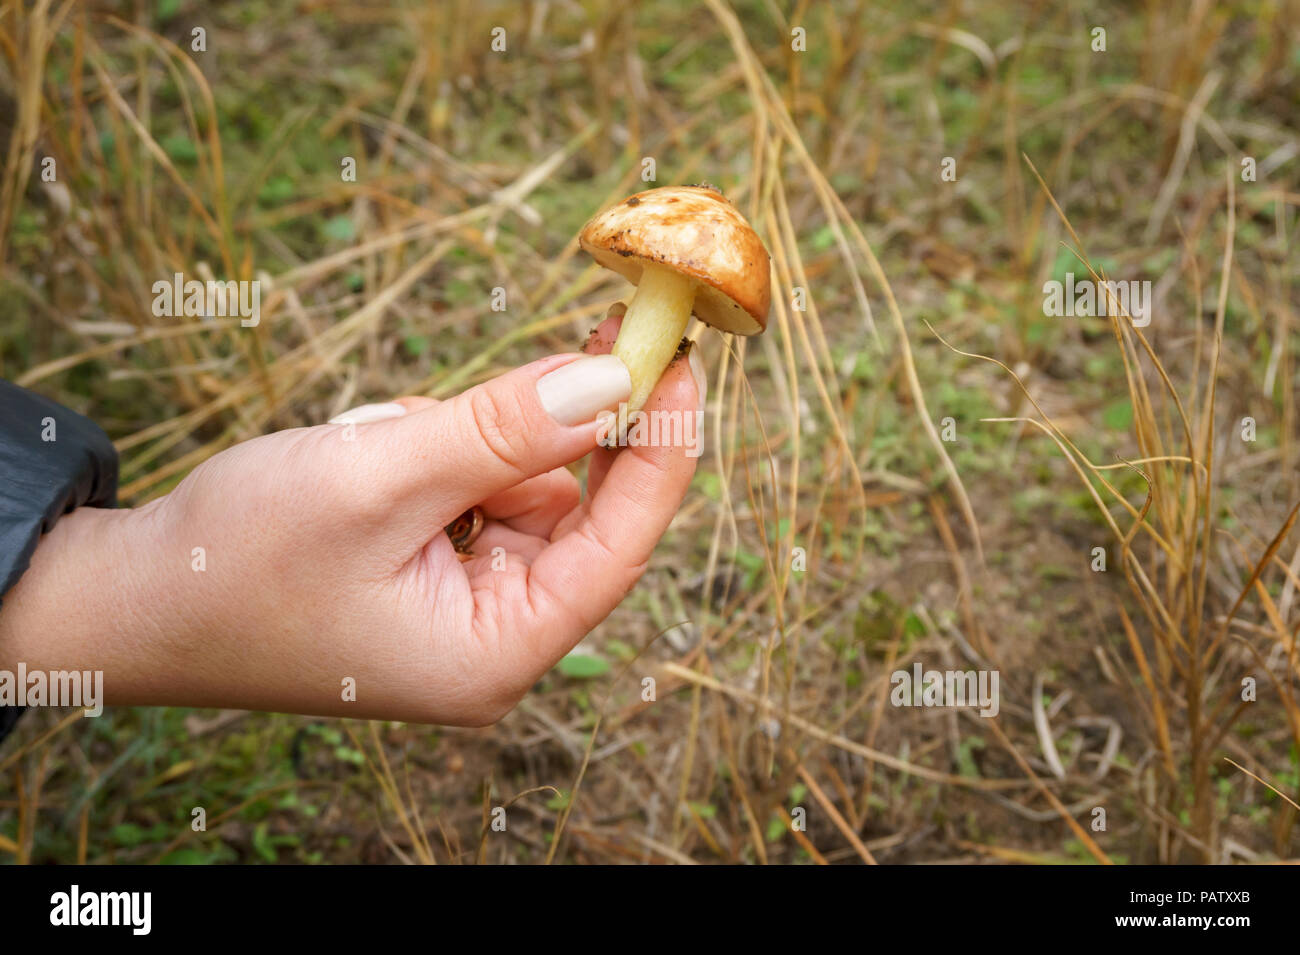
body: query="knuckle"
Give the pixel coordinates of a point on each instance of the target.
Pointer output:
(495, 422)
(610, 553)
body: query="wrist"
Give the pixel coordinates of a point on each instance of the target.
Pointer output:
(93, 599)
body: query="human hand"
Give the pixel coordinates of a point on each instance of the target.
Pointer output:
(324, 558)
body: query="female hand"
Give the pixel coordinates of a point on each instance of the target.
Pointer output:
(308, 571)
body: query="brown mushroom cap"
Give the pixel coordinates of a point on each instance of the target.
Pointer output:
(695, 231)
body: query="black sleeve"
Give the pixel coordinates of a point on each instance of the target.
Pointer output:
(51, 461)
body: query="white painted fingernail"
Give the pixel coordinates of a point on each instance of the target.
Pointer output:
(695, 358)
(582, 389)
(364, 414)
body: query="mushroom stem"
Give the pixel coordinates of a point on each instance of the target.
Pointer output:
(652, 328)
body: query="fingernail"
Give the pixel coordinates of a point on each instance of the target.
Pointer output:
(582, 389)
(364, 414)
(617, 310)
(695, 359)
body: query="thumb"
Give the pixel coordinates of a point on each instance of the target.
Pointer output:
(449, 457)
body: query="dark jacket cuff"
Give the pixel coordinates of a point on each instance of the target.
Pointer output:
(51, 461)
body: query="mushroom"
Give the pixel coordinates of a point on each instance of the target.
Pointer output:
(685, 248)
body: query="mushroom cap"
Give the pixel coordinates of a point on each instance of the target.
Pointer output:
(696, 232)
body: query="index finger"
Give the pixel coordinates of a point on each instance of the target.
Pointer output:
(580, 578)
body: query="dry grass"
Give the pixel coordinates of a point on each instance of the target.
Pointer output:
(474, 171)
